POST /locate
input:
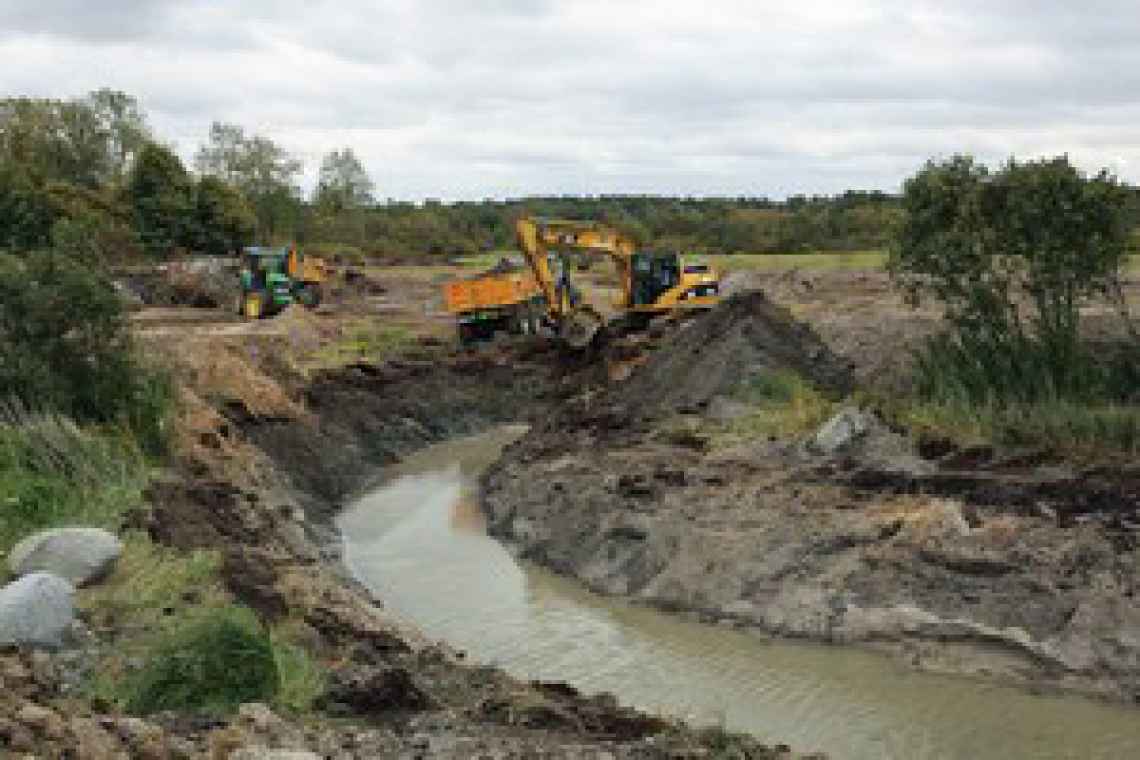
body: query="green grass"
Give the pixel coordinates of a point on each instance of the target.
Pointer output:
(1080, 430)
(843, 260)
(212, 663)
(363, 340)
(302, 678)
(823, 260)
(173, 614)
(779, 405)
(54, 473)
(152, 583)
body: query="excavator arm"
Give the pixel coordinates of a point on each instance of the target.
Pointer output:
(544, 243)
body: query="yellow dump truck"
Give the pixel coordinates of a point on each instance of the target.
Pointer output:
(506, 298)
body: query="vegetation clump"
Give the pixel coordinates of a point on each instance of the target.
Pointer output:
(215, 663)
(1012, 256)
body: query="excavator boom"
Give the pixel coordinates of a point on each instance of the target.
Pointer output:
(650, 283)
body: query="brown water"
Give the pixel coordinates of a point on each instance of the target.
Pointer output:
(418, 542)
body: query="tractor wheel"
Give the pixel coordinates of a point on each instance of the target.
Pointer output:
(253, 305)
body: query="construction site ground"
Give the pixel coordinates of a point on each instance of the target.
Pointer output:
(645, 475)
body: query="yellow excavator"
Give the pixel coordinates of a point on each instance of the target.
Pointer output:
(651, 282)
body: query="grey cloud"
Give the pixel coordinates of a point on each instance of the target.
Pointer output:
(448, 98)
(82, 19)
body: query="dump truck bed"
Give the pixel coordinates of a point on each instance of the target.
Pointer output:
(489, 291)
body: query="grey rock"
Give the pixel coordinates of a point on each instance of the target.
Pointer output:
(79, 555)
(841, 431)
(36, 610)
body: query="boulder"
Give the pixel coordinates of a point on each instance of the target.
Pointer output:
(79, 555)
(36, 610)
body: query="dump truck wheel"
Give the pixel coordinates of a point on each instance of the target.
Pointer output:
(522, 322)
(310, 294)
(535, 317)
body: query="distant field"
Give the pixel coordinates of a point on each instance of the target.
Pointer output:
(762, 261)
(820, 260)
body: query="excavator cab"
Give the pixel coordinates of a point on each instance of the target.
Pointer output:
(651, 275)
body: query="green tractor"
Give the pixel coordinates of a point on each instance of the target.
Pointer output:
(274, 278)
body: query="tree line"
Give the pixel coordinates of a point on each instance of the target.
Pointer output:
(91, 171)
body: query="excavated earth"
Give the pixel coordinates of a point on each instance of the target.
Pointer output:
(391, 692)
(1005, 565)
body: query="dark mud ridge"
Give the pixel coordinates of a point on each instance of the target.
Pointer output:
(963, 562)
(274, 532)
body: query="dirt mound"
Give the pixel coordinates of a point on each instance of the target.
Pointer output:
(723, 350)
(206, 285)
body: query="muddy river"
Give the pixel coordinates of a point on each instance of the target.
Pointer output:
(418, 542)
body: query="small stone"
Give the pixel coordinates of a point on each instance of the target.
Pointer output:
(847, 426)
(41, 720)
(254, 752)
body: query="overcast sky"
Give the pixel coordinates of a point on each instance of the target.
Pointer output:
(491, 98)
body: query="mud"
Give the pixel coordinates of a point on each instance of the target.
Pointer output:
(993, 564)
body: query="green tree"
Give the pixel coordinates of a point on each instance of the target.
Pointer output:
(26, 213)
(264, 172)
(64, 341)
(123, 126)
(55, 139)
(223, 219)
(161, 193)
(343, 182)
(1011, 256)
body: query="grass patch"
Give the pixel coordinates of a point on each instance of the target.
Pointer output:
(54, 473)
(1071, 429)
(152, 585)
(217, 660)
(302, 678)
(199, 650)
(364, 340)
(776, 405)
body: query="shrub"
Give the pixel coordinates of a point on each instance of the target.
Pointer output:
(1011, 255)
(217, 662)
(65, 345)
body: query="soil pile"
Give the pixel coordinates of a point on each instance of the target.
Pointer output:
(208, 285)
(722, 351)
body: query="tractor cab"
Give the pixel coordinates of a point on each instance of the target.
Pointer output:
(266, 287)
